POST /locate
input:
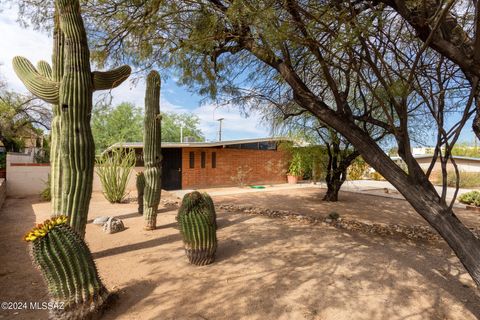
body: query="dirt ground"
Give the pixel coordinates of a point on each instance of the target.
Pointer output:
(265, 269)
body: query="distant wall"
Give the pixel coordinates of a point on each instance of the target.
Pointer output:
(29, 178)
(3, 191)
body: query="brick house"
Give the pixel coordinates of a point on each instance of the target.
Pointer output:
(217, 164)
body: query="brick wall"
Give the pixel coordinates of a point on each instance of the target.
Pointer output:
(265, 167)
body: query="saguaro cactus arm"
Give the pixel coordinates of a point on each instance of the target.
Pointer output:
(36, 83)
(104, 80)
(44, 69)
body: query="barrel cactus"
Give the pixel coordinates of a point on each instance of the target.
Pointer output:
(152, 152)
(72, 92)
(140, 184)
(197, 221)
(68, 270)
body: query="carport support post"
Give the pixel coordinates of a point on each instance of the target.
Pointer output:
(152, 151)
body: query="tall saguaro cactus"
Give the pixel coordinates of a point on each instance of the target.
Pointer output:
(73, 93)
(152, 152)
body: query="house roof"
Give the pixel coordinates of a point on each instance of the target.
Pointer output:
(197, 144)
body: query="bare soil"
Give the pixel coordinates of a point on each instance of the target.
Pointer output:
(265, 269)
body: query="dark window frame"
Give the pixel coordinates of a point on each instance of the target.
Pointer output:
(191, 158)
(203, 159)
(214, 160)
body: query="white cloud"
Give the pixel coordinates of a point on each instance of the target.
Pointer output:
(17, 41)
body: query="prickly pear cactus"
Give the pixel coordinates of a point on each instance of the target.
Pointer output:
(197, 220)
(140, 184)
(72, 92)
(152, 152)
(68, 269)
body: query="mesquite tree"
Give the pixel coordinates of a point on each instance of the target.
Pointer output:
(317, 54)
(73, 93)
(152, 151)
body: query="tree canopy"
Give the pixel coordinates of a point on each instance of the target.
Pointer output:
(353, 65)
(124, 123)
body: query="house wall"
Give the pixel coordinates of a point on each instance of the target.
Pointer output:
(265, 166)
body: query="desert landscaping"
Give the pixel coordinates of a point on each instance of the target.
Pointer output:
(265, 268)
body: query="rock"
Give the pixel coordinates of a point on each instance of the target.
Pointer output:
(113, 225)
(100, 220)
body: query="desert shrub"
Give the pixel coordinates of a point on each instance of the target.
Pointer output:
(333, 215)
(466, 179)
(357, 169)
(46, 194)
(114, 168)
(376, 176)
(241, 175)
(472, 198)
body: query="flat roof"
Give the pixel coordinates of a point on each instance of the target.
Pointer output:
(197, 144)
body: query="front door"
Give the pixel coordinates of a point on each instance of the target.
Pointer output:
(172, 168)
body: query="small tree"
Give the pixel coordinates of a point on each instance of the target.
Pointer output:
(114, 168)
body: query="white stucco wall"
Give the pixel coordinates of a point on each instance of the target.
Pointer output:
(30, 179)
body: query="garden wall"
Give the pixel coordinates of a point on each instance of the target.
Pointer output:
(29, 179)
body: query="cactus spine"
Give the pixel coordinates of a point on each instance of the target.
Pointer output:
(73, 94)
(198, 226)
(152, 151)
(68, 270)
(140, 184)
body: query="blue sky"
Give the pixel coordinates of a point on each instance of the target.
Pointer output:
(37, 46)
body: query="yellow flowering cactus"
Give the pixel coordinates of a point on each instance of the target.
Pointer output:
(41, 230)
(68, 269)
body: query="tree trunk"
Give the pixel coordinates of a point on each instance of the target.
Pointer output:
(333, 186)
(415, 186)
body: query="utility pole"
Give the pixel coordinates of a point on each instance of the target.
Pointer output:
(181, 133)
(220, 128)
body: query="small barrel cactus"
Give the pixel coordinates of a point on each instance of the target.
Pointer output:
(140, 184)
(68, 269)
(197, 220)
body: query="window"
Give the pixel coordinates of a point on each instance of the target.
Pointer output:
(192, 159)
(214, 159)
(203, 156)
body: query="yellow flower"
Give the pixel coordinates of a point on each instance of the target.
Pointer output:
(42, 229)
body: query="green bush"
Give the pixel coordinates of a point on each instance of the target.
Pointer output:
(114, 168)
(45, 194)
(472, 198)
(3, 160)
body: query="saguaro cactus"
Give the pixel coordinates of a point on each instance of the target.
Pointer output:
(68, 270)
(197, 220)
(152, 152)
(140, 184)
(73, 93)
(55, 146)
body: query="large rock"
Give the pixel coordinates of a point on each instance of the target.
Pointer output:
(113, 225)
(100, 220)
